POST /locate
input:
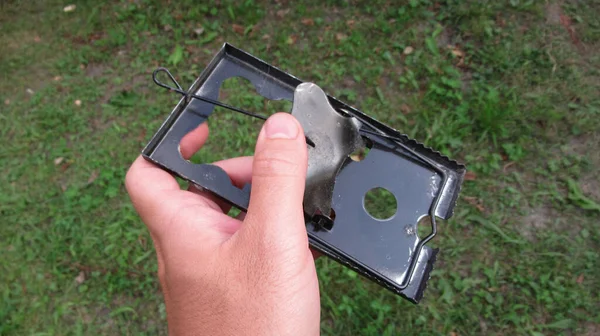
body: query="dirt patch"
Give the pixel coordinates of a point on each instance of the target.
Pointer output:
(445, 38)
(590, 185)
(591, 329)
(553, 12)
(95, 70)
(537, 219)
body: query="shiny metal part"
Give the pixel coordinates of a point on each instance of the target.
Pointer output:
(334, 136)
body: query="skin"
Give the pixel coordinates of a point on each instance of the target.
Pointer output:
(251, 275)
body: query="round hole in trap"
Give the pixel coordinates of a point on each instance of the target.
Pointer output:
(380, 203)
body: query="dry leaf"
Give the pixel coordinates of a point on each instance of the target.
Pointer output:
(457, 52)
(508, 165)
(405, 108)
(408, 50)
(167, 28)
(57, 78)
(93, 177)
(566, 22)
(80, 278)
(308, 22)
(453, 333)
(470, 176)
(350, 23)
(6, 101)
(64, 166)
(580, 279)
(238, 28)
(292, 39)
(78, 102)
(341, 36)
(266, 37)
(69, 8)
(142, 135)
(37, 39)
(474, 202)
(30, 91)
(199, 31)
(282, 12)
(58, 160)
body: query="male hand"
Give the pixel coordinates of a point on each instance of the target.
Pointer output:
(228, 276)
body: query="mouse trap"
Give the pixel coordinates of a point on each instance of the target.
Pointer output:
(424, 183)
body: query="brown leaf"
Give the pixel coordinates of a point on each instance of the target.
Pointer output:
(457, 52)
(350, 23)
(37, 39)
(142, 135)
(266, 37)
(238, 28)
(93, 177)
(57, 78)
(282, 12)
(58, 160)
(308, 22)
(341, 36)
(408, 50)
(452, 333)
(474, 202)
(470, 176)
(566, 22)
(405, 108)
(79, 279)
(65, 166)
(580, 279)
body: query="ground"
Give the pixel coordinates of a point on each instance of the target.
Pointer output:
(508, 88)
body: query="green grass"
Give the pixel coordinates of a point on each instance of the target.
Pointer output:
(509, 88)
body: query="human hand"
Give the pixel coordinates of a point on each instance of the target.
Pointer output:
(228, 276)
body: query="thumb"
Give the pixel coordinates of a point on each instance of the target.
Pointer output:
(275, 213)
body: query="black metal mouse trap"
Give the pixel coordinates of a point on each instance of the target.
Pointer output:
(424, 182)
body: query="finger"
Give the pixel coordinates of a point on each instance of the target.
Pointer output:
(148, 186)
(239, 169)
(193, 141)
(275, 212)
(240, 172)
(147, 183)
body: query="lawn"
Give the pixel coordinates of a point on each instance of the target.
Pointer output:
(510, 88)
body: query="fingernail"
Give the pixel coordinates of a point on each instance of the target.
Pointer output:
(281, 126)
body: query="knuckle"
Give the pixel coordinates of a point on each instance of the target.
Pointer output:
(277, 162)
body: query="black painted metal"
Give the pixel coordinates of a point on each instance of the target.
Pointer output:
(424, 182)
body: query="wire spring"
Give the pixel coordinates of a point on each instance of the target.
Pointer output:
(178, 89)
